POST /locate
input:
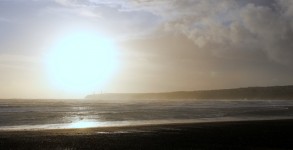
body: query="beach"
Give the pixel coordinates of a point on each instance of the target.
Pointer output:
(269, 134)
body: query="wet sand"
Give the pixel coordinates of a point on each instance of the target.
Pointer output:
(274, 134)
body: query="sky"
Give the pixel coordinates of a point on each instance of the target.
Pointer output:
(160, 45)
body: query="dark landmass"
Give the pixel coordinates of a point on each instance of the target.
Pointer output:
(250, 93)
(262, 135)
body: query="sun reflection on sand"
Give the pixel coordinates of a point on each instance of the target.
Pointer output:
(84, 124)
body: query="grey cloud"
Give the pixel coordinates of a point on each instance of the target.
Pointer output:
(229, 26)
(235, 43)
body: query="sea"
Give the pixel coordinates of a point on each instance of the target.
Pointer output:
(21, 114)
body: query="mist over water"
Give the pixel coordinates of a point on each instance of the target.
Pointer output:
(53, 114)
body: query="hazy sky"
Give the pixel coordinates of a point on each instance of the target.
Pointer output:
(161, 45)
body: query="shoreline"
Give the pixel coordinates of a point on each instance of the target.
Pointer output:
(261, 134)
(134, 124)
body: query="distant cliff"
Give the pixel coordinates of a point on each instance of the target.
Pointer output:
(250, 93)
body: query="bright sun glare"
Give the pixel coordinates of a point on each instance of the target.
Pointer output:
(81, 62)
(83, 124)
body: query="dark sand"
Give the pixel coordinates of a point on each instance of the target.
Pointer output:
(262, 135)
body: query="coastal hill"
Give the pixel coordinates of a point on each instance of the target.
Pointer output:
(249, 93)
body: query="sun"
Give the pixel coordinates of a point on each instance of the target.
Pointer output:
(81, 62)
